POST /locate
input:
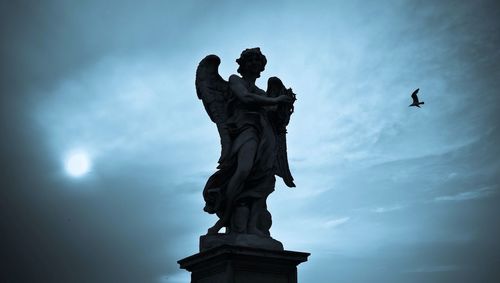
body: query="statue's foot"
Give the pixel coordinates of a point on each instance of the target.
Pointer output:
(256, 232)
(214, 230)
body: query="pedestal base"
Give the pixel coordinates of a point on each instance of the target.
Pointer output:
(232, 264)
(239, 240)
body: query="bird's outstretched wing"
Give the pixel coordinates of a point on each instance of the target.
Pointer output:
(213, 90)
(280, 119)
(414, 96)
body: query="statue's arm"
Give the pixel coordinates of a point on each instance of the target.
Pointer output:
(237, 86)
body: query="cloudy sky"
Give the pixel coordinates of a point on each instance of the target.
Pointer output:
(385, 193)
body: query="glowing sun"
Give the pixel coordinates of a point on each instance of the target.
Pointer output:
(77, 164)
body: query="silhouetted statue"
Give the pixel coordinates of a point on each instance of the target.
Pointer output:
(415, 99)
(252, 128)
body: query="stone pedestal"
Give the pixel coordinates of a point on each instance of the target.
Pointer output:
(239, 240)
(237, 264)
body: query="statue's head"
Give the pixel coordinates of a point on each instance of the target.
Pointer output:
(252, 62)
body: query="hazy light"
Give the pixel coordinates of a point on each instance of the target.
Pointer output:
(77, 164)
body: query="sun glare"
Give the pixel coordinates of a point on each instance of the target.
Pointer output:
(77, 164)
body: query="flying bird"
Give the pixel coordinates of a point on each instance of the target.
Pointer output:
(415, 99)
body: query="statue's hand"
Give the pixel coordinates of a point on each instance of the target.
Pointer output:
(285, 99)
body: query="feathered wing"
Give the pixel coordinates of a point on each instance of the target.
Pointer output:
(280, 119)
(414, 96)
(213, 90)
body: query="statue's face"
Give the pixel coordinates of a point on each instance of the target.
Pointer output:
(254, 65)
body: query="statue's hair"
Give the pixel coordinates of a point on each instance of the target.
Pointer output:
(249, 53)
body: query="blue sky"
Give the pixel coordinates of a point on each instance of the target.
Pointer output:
(385, 192)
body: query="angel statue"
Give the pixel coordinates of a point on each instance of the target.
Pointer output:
(252, 128)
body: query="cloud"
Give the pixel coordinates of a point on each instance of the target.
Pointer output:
(383, 209)
(336, 222)
(437, 268)
(178, 277)
(469, 195)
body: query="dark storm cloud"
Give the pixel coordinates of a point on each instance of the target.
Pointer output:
(384, 192)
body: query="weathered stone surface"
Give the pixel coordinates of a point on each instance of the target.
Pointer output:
(231, 264)
(243, 240)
